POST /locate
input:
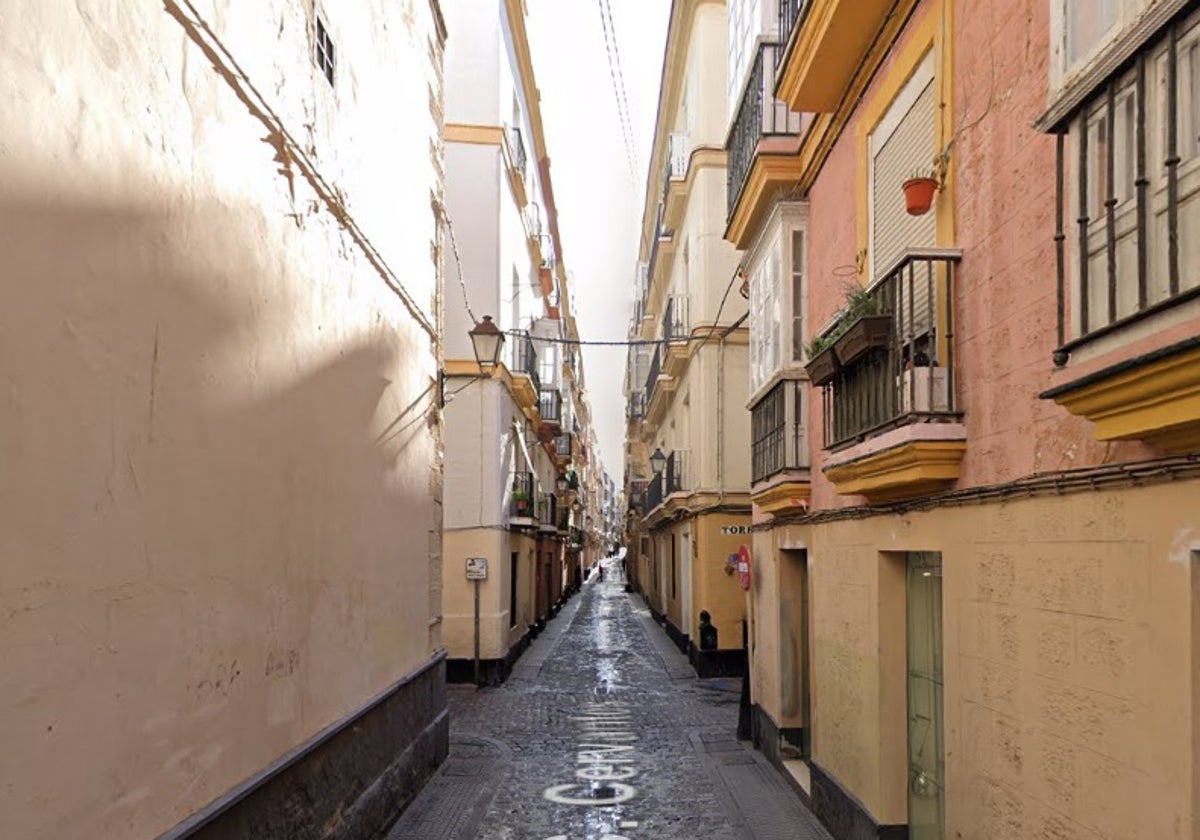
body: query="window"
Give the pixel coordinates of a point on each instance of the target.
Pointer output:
(766, 320)
(1085, 25)
(798, 296)
(901, 146)
(324, 56)
(1130, 250)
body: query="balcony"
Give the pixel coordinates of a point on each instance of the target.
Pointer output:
(526, 381)
(563, 445)
(636, 407)
(889, 409)
(762, 148)
(550, 405)
(1128, 283)
(676, 472)
(521, 504)
(779, 449)
(547, 512)
(652, 376)
(824, 44)
(674, 189)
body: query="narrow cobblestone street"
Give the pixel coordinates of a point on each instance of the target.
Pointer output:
(603, 731)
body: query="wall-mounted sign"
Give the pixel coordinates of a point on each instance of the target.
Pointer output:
(476, 568)
(731, 530)
(743, 567)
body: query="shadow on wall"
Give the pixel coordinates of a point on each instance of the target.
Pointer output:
(207, 505)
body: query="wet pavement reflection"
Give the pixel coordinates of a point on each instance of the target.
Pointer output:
(602, 732)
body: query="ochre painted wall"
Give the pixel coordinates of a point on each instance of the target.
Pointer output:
(1069, 654)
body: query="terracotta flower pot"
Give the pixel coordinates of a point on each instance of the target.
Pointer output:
(918, 195)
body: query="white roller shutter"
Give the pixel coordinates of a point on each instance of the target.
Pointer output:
(904, 143)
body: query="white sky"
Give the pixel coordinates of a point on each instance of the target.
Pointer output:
(599, 206)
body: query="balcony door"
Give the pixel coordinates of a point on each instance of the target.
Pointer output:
(926, 745)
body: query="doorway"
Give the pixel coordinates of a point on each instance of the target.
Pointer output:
(926, 747)
(795, 732)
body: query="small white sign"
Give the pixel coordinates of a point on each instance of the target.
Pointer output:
(476, 568)
(730, 530)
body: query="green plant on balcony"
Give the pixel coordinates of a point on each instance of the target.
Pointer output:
(822, 365)
(861, 326)
(521, 502)
(864, 326)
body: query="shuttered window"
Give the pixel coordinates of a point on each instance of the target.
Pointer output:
(902, 146)
(898, 154)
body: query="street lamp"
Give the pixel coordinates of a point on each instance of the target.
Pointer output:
(657, 461)
(487, 342)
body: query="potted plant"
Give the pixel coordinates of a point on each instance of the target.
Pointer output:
(866, 326)
(822, 363)
(918, 193)
(521, 502)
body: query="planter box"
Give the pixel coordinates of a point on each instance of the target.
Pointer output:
(822, 367)
(867, 333)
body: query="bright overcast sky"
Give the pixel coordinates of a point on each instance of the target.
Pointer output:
(599, 206)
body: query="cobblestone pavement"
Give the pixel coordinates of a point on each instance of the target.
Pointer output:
(603, 732)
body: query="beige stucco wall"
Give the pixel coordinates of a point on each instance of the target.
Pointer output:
(1070, 686)
(497, 630)
(716, 591)
(220, 507)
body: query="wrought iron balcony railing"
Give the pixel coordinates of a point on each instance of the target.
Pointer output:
(760, 117)
(1127, 178)
(777, 426)
(562, 445)
(550, 405)
(521, 505)
(676, 472)
(904, 372)
(525, 360)
(652, 376)
(637, 406)
(675, 319)
(791, 12)
(654, 494)
(547, 510)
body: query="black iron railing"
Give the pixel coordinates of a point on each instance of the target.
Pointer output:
(637, 406)
(760, 116)
(791, 12)
(517, 143)
(675, 319)
(550, 405)
(563, 522)
(777, 432)
(562, 445)
(547, 510)
(652, 376)
(676, 472)
(907, 374)
(1128, 184)
(525, 360)
(654, 494)
(523, 498)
